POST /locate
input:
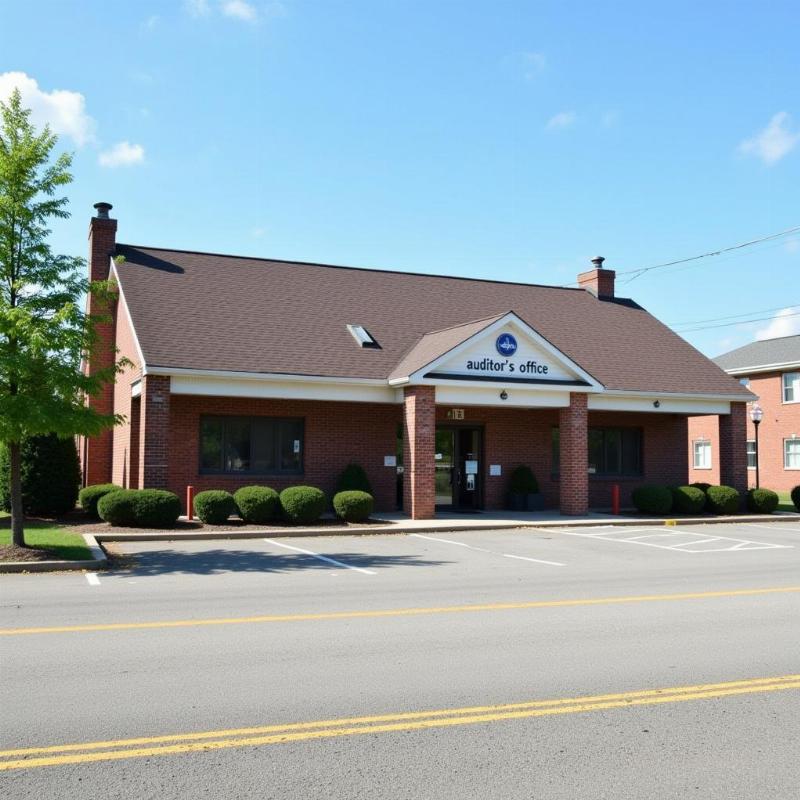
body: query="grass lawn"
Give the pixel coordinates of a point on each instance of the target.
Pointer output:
(69, 546)
(786, 503)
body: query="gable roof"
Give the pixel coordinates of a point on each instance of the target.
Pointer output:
(203, 311)
(782, 352)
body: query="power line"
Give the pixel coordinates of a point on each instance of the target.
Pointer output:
(740, 322)
(733, 316)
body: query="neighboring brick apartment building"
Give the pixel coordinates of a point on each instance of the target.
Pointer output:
(248, 370)
(771, 370)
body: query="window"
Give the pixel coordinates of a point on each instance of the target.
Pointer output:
(791, 387)
(751, 454)
(702, 454)
(791, 453)
(612, 451)
(262, 445)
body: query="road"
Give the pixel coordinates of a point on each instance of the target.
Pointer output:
(608, 663)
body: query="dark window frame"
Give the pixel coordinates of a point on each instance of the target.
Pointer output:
(555, 440)
(225, 418)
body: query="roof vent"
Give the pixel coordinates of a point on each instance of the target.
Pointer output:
(362, 336)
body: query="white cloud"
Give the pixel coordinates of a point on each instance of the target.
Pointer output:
(533, 65)
(197, 8)
(564, 119)
(122, 154)
(152, 21)
(239, 9)
(63, 110)
(773, 142)
(792, 246)
(782, 324)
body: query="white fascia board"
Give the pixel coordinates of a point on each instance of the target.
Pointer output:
(263, 376)
(499, 385)
(488, 395)
(509, 319)
(124, 303)
(782, 367)
(667, 404)
(732, 398)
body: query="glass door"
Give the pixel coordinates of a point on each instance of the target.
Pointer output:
(444, 466)
(457, 468)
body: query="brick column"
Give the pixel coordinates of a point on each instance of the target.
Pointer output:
(419, 444)
(574, 456)
(154, 432)
(733, 447)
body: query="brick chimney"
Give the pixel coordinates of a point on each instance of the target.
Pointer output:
(598, 281)
(96, 452)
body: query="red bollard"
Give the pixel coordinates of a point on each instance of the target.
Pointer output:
(189, 502)
(615, 499)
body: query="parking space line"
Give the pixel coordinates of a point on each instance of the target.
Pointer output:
(92, 579)
(321, 557)
(484, 550)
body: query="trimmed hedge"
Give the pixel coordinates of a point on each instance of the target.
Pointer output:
(89, 497)
(652, 499)
(50, 474)
(257, 505)
(214, 506)
(143, 508)
(703, 487)
(302, 505)
(795, 495)
(523, 481)
(762, 501)
(353, 478)
(722, 500)
(353, 506)
(688, 499)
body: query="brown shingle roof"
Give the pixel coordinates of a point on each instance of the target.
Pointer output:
(215, 312)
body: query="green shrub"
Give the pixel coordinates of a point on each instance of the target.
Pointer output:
(523, 481)
(302, 505)
(795, 495)
(762, 501)
(51, 476)
(257, 505)
(89, 497)
(722, 500)
(141, 508)
(688, 499)
(353, 478)
(117, 508)
(214, 506)
(353, 506)
(652, 499)
(703, 487)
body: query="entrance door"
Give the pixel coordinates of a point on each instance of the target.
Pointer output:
(458, 468)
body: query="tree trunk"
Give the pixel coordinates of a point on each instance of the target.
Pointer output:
(17, 528)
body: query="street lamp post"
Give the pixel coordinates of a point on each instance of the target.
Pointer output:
(756, 414)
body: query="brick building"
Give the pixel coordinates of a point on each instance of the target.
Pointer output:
(771, 370)
(260, 371)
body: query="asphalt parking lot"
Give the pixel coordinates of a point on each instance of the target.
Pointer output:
(603, 662)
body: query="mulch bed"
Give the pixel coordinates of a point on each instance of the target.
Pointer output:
(10, 552)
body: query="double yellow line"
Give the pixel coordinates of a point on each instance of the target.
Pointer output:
(205, 741)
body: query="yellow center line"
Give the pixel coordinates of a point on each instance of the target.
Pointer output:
(410, 721)
(397, 612)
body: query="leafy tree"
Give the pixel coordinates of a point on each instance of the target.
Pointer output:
(44, 333)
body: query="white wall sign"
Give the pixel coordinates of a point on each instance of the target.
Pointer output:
(495, 470)
(471, 467)
(390, 461)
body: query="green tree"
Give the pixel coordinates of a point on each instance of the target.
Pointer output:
(45, 335)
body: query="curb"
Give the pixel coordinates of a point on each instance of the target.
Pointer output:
(98, 561)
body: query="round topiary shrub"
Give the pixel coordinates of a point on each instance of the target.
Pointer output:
(762, 501)
(652, 499)
(89, 497)
(214, 506)
(156, 508)
(118, 508)
(302, 505)
(722, 500)
(688, 500)
(257, 505)
(523, 481)
(353, 506)
(50, 476)
(795, 495)
(353, 478)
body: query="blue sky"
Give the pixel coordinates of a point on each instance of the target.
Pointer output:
(509, 140)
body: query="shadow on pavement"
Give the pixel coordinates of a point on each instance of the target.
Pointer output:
(215, 562)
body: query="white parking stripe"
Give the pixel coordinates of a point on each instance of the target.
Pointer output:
(321, 557)
(484, 550)
(92, 578)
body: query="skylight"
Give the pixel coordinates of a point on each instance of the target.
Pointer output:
(362, 336)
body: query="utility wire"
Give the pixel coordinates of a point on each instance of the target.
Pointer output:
(733, 316)
(740, 322)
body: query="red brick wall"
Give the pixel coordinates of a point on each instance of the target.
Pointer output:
(155, 430)
(732, 452)
(574, 478)
(704, 428)
(335, 435)
(600, 282)
(419, 442)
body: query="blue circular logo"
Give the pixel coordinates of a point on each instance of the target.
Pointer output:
(506, 344)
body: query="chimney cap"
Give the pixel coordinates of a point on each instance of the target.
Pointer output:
(103, 209)
(598, 262)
